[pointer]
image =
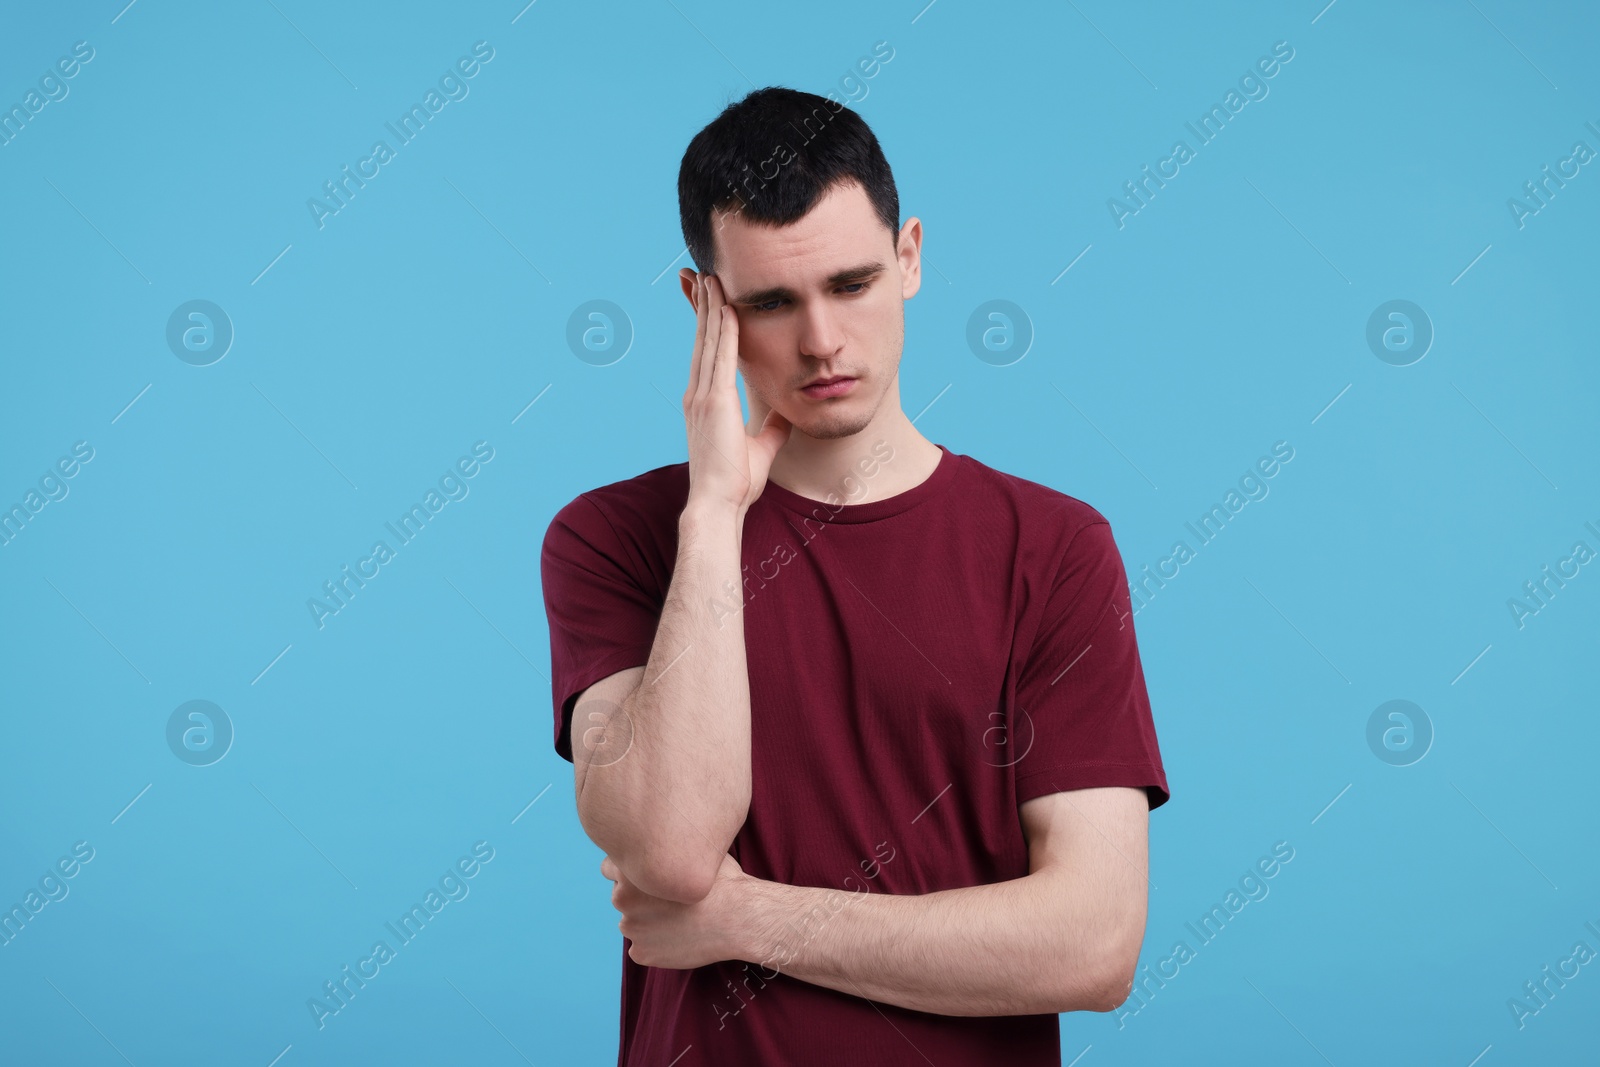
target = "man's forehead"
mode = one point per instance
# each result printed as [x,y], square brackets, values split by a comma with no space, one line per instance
[837,241]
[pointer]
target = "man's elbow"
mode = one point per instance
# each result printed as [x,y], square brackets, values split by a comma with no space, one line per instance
[1111,993]
[1108,985]
[680,878]
[666,872]
[1103,992]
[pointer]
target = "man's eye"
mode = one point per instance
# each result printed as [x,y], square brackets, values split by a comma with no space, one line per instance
[853,289]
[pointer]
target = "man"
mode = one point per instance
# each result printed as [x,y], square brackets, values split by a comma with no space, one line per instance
[859,721]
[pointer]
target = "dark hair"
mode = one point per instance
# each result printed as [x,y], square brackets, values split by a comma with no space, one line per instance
[814,142]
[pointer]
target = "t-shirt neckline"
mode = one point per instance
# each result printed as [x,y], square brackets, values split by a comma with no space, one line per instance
[872,510]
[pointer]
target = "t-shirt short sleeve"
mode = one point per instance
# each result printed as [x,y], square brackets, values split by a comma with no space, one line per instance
[1082,685]
[602,617]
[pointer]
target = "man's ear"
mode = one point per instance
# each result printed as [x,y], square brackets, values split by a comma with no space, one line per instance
[687,278]
[908,251]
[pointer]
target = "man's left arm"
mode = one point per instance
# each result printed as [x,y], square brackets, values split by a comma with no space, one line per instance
[1064,937]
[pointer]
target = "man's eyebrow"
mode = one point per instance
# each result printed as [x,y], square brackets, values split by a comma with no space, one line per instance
[848,276]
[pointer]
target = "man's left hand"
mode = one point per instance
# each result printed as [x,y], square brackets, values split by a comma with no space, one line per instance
[666,933]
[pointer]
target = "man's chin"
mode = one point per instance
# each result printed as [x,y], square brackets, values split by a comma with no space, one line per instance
[832,426]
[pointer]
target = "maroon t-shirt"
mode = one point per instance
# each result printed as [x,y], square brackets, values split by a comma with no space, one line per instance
[919,666]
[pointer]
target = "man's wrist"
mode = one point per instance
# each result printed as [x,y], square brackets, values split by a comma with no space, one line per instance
[698,516]
[777,924]
[750,933]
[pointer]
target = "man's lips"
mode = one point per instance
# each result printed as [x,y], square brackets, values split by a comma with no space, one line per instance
[827,387]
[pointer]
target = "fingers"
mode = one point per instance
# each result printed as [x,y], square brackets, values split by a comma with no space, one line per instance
[699,313]
[699,336]
[727,357]
[713,336]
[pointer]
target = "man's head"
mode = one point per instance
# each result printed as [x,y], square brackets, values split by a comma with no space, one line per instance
[787,199]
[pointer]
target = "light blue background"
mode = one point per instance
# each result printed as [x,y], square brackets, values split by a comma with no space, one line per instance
[1225,316]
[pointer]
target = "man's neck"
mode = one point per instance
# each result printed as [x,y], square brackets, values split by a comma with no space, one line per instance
[853,468]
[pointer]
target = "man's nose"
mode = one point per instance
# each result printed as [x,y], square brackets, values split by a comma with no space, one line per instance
[821,336]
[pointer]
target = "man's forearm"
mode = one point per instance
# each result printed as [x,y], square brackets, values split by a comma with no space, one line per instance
[1027,946]
[669,805]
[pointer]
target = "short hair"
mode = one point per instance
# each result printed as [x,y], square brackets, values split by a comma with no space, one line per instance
[815,143]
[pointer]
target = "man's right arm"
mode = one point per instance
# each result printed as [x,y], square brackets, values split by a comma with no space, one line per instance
[661,753]
[666,790]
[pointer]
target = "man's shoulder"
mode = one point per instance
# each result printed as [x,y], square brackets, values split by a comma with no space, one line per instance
[651,499]
[1035,507]
[664,488]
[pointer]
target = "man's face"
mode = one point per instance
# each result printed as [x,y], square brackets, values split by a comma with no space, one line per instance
[823,297]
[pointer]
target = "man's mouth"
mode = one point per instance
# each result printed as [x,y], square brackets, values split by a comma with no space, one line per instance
[823,388]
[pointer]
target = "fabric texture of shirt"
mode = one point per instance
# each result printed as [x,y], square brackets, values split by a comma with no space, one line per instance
[919,666]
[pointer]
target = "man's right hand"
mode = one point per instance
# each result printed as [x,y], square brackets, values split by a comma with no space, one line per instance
[727,465]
